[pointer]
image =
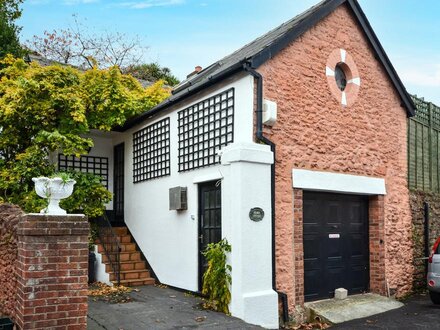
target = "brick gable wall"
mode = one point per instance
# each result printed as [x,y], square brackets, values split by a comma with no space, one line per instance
[314,131]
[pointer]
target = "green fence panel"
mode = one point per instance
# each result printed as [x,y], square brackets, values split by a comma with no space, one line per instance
[424,147]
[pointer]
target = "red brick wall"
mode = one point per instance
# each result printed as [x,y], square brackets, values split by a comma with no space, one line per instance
[52,272]
[377,245]
[313,131]
[9,216]
[298,250]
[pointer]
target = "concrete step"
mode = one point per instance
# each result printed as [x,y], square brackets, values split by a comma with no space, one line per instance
[353,307]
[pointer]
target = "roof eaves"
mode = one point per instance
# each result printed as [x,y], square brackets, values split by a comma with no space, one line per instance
[183,94]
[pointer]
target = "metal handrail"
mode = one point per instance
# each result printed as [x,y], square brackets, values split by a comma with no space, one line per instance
[110,243]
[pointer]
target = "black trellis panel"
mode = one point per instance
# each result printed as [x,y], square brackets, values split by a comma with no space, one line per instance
[88,164]
[204,128]
[151,151]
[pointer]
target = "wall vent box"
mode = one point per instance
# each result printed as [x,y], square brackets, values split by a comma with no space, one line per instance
[269,112]
[178,198]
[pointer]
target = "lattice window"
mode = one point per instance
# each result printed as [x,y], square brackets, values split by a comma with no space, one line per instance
[204,128]
[151,151]
[88,164]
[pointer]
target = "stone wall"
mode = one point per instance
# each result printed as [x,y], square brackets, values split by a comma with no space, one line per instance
[9,217]
[417,198]
[314,131]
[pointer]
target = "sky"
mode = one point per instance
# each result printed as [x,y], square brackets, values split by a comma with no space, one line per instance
[181,34]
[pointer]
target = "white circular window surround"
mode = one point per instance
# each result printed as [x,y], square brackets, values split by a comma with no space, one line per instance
[342,76]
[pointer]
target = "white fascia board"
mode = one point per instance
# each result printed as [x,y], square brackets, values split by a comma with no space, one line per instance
[336,182]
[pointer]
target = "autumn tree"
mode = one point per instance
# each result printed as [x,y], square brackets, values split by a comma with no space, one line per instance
[75,45]
[46,110]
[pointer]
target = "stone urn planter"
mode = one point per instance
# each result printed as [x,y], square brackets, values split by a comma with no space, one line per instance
[54,190]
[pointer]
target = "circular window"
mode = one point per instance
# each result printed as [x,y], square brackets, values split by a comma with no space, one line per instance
[340,77]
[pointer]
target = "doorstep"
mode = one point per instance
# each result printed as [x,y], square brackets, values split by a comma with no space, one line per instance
[353,307]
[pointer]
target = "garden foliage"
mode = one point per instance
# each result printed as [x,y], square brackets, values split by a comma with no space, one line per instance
[50,110]
[217,277]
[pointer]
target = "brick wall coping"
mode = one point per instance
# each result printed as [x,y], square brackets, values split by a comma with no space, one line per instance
[52,225]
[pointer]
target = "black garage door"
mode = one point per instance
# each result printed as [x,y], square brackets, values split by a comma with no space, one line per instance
[335,244]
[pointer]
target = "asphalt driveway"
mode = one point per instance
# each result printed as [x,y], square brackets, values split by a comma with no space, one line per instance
[418,313]
[158,308]
[164,308]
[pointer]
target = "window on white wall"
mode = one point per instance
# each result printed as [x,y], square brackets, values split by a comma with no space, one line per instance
[204,128]
[88,164]
[151,151]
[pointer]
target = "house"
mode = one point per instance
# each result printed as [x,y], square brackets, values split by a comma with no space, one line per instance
[294,148]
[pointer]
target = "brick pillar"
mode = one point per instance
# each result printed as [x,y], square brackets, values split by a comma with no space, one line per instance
[377,245]
[298,246]
[52,266]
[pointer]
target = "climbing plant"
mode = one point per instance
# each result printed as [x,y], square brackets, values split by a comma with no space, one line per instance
[51,109]
[217,277]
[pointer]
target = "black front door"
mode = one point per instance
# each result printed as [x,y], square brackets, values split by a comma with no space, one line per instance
[210,221]
[118,185]
[336,253]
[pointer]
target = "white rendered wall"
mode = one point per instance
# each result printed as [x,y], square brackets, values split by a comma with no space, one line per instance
[100,274]
[103,147]
[169,239]
[247,185]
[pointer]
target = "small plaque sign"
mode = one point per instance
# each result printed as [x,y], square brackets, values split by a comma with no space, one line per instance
[333,235]
[256,214]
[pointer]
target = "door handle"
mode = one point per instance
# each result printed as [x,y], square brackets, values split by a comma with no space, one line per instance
[201,238]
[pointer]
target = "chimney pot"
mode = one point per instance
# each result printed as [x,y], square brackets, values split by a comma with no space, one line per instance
[197,69]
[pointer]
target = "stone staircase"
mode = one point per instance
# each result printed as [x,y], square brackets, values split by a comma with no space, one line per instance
[134,270]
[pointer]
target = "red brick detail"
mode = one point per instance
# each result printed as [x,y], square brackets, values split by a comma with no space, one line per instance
[377,244]
[52,272]
[298,246]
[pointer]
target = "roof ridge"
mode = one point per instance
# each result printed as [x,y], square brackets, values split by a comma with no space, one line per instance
[265,47]
[295,18]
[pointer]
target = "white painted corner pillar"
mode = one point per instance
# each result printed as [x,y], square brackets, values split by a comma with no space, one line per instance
[246,185]
[100,274]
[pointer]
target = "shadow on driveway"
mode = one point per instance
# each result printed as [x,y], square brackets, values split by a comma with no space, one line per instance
[158,308]
[418,313]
